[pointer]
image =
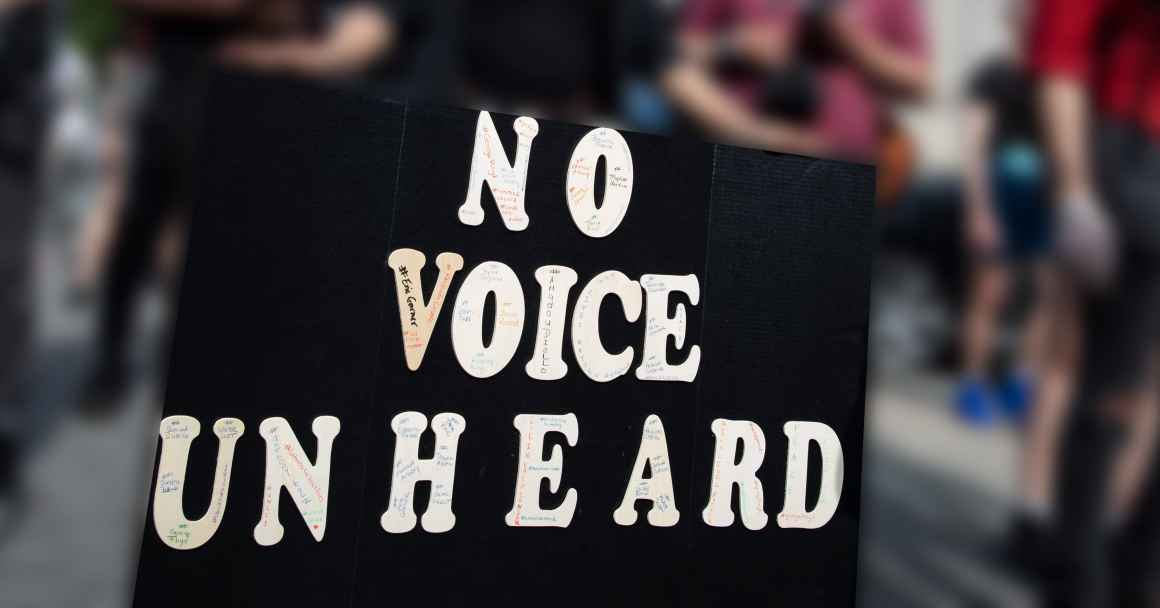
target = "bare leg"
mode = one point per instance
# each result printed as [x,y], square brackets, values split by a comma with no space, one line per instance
[1057,317]
[99,229]
[1133,461]
[988,294]
[1117,385]
[1039,337]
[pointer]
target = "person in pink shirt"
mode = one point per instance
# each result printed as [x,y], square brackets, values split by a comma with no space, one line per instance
[856,56]
[726,54]
[877,53]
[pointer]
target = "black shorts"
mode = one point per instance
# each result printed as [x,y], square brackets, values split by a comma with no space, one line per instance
[1125,324]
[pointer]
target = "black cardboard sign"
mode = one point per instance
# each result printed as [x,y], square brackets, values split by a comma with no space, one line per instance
[289,311]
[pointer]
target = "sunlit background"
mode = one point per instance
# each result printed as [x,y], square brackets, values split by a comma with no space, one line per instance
[991,235]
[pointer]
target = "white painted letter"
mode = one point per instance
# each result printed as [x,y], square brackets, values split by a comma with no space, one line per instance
[547,362]
[287,467]
[596,362]
[177,434]
[467,323]
[489,164]
[581,182]
[418,317]
[409,469]
[719,512]
[526,511]
[658,488]
[794,514]
[658,328]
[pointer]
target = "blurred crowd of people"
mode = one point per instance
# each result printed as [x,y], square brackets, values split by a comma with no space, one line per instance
[1062,182]
[1058,189]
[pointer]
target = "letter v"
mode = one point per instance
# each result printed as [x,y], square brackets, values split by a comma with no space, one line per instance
[416,315]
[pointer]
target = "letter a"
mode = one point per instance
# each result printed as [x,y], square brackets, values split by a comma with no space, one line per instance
[658,488]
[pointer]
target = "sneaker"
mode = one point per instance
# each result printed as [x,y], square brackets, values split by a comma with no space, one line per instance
[973,402]
[1016,396]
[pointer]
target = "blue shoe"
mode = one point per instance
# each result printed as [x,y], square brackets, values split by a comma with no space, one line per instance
[973,403]
[1016,396]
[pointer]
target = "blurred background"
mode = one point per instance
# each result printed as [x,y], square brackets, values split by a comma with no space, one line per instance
[1012,409]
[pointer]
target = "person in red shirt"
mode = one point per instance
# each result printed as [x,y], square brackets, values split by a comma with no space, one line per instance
[1098,64]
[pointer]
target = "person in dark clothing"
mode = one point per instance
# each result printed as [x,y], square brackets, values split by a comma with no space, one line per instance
[340,41]
[23,59]
[23,62]
[550,56]
[188,39]
[1007,231]
[644,46]
[1104,55]
[180,37]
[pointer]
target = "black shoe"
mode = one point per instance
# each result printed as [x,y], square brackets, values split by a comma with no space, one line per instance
[104,392]
[1135,580]
[1029,547]
[11,497]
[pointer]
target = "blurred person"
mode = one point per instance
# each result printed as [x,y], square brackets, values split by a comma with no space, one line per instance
[23,60]
[869,55]
[645,45]
[177,36]
[735,74]
[24,51]
[276,39]
[1007,230]
[124,75]
[332,40]
[814,77]
[1100,99]
[552,58]
[187,38]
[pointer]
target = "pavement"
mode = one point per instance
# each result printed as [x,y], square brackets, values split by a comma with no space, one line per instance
[937,500]
[80,516]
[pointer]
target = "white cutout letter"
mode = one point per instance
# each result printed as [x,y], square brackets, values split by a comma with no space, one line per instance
[287,467]
[467,323]
[794,514]
[526,511]
[658,328]
[654,449]
[719,512]
[409,469]
[547,362]
[177,434]
[418,317]
[581,182]
[596,362]
[507,182]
